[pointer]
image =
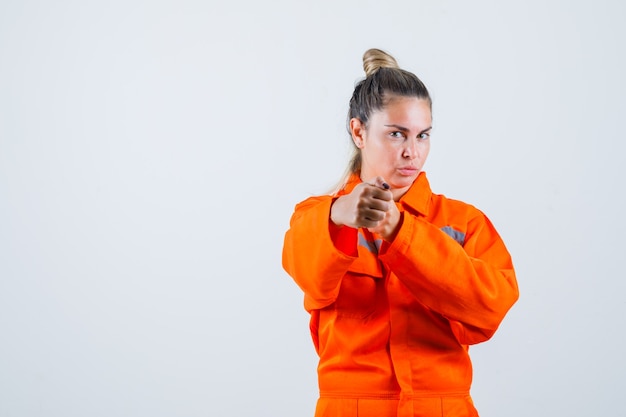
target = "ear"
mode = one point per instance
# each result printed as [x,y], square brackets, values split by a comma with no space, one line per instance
[357,129]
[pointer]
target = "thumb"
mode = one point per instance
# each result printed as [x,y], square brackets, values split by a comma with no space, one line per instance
[381,183]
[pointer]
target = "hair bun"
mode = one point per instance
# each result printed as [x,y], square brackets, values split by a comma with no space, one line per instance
[374,59]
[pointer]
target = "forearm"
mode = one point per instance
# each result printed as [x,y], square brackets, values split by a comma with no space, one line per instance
[476,289]
[316,253]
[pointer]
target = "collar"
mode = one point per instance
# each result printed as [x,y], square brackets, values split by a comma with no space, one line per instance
[417,197]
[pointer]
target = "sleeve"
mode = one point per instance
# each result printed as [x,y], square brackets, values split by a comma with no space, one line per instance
[473,285]
[317,253]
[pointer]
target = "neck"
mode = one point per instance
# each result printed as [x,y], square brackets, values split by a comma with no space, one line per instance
[399,192]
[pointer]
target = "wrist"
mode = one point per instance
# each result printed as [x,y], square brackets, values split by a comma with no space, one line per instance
[393,230]
[333,215]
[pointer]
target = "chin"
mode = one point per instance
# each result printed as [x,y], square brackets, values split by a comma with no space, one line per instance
[405,181]
[400,184]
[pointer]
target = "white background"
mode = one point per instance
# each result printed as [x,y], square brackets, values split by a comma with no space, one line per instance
[151,154]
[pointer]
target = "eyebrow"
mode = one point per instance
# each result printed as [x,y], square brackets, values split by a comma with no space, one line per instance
[404,129]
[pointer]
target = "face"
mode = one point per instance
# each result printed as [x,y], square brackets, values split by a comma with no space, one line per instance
[395,143]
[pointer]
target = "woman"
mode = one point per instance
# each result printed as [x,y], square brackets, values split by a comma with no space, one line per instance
[398,281]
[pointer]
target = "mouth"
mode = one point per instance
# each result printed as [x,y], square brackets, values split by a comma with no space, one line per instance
[408,170]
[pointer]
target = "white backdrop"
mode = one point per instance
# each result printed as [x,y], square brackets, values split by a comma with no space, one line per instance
[151,154]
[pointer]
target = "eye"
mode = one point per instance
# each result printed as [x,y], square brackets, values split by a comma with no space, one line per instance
[397,135]
[424,136]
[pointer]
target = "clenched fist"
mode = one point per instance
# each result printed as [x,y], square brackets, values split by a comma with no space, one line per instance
[369,205]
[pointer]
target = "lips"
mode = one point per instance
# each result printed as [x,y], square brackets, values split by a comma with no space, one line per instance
[407,170]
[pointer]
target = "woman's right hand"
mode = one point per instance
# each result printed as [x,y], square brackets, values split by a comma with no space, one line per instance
[366,206]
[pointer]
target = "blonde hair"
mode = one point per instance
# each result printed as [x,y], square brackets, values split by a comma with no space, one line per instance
[383,78]
[374,59]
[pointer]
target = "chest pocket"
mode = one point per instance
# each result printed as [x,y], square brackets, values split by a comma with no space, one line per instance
[363,286]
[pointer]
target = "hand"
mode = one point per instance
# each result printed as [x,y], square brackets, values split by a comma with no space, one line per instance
[388,227]
[369,205]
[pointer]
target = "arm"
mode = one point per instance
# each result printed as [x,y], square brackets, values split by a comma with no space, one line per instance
[321,242]
[472,285]
[317,253]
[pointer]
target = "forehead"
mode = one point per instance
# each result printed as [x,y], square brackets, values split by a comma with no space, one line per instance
[410,112]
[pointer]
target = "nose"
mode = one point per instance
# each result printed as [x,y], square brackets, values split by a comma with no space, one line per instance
[410,149]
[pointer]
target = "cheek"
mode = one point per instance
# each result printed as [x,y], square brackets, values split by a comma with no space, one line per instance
[382,151]
[392,154]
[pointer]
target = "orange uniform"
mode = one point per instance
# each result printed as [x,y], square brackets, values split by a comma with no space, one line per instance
[392,321]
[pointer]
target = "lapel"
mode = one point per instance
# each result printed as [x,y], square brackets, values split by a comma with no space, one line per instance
[416,200]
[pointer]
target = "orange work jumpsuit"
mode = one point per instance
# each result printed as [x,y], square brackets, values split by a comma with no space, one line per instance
[392,321]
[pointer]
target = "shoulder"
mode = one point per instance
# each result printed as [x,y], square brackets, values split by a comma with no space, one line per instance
[459,219]
[440,202]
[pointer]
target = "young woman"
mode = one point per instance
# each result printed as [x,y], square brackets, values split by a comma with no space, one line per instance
[398,281]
